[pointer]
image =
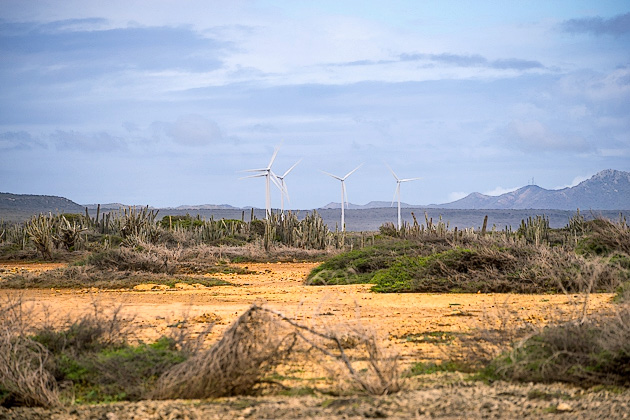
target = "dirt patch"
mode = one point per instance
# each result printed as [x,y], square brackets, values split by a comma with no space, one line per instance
[418,326]
[457,400]
[23,267]
[403,319]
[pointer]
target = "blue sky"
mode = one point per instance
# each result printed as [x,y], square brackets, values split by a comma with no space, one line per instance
[164,102]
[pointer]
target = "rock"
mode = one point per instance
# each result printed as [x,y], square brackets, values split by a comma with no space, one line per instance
[564,407]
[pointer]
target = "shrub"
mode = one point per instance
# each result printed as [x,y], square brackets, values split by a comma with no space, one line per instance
[514,268]
[90,277]
[605,238]
[152,259]
[259,340]
[595,351]
[359,265]
[118,373]
[24,378]
[235,365]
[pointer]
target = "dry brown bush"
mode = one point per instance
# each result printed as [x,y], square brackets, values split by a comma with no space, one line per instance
[23,374]
[260,340]
[614,236]
[147,258]
[248,350]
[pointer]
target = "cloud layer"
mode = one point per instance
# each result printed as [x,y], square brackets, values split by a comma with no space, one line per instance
[179,97]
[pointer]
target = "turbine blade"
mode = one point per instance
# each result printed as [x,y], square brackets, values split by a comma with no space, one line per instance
[255,170]
[345,193]
[286,191]
[409,179]
[395,194]
[392,171]
[334,176]
[274,179]
[352,171]
[291,168]
[253,176]
[275,152]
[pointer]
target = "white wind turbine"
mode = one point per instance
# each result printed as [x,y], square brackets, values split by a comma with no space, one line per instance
[269,177]
[397,193]
[344,196]
[283,188]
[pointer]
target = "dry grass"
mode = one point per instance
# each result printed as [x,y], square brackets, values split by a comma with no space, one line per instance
[24,379]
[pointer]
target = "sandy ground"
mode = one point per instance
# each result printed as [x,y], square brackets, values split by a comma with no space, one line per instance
[411,323]
[415,325]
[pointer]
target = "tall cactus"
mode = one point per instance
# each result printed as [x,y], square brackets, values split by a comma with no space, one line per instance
[40,230]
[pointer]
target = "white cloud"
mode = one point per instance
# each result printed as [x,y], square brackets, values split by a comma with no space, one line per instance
[573,183]
[500,191]
[533,136]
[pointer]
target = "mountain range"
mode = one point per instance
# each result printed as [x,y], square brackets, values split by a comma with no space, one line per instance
[606,190]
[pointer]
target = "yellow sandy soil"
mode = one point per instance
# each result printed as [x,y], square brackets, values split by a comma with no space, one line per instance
[398,317]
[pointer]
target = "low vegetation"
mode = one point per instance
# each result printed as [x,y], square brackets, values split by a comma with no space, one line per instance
[585,352]
[535,259]
[94,359]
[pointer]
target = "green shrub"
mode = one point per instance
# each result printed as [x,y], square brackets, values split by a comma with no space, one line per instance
[359,265]
[125,373]
[185,222]
[442,272]
[423,368]
[593,352]
[516,268]
[93,355]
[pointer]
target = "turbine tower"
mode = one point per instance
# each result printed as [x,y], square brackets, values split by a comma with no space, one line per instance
[397,193]
[344,196]
[269,177]
[283,188]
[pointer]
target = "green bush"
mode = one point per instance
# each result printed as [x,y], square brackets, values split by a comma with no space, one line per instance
[359,265]
[125,373]
[593,352]
[185,222]
[93,355]
[453,270]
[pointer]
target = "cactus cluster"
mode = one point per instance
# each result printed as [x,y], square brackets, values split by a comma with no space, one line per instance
[48,232]
[288,229]
[534,230]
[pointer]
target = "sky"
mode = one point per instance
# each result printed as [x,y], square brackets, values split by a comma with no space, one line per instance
[164,103]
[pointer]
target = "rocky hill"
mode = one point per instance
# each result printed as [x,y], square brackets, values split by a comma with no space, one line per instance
[38,203]
[606,190]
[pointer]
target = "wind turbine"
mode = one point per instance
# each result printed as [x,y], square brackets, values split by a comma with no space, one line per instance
[397,193]
[344,196]
[269,177]
[283,188]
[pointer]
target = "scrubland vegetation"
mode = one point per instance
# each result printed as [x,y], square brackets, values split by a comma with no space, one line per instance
[95,359]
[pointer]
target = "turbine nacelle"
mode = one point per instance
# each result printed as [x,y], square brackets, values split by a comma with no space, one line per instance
[279,182]
[269,177]
[397,193]
[344,195]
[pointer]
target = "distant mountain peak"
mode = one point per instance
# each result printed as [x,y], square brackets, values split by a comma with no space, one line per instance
[611,175]
[607,190]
